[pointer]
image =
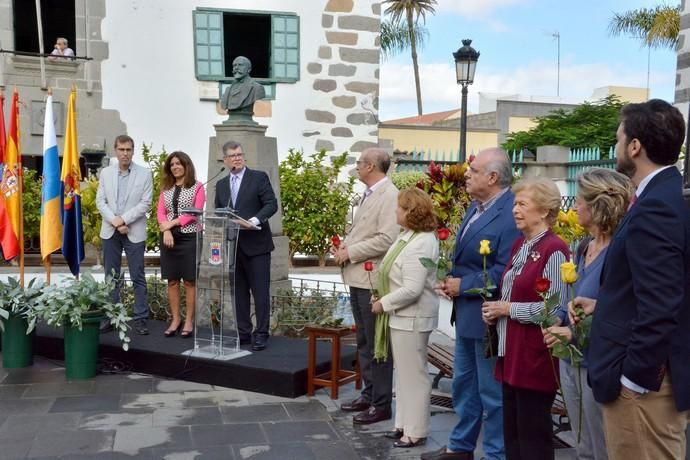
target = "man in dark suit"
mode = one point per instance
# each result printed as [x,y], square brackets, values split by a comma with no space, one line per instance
[250,194]
[639,354]
[477,395]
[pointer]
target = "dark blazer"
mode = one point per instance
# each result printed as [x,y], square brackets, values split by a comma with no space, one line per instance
[498,226]
[255,198]
[641,325]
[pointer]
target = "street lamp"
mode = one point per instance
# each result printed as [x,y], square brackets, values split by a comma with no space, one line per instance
[465,64]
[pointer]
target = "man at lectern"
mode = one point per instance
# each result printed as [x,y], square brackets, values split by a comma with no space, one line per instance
[250,194]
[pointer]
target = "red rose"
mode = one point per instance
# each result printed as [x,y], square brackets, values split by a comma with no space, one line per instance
[471,158]
[443,234]
[542,285]
[369,265]
[335,240]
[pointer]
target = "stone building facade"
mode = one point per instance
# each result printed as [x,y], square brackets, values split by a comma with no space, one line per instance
[156,73]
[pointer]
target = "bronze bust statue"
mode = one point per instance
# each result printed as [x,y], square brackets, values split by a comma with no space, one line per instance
[238,98]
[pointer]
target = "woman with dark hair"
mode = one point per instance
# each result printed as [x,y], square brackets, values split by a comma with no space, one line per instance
[179,190]
[407,295]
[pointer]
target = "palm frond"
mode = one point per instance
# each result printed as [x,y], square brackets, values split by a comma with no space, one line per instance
[395,38]
[397,9]
[656,27]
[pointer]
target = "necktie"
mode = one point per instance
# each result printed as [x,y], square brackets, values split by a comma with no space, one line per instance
[367,192]
[633,199]
[234,187]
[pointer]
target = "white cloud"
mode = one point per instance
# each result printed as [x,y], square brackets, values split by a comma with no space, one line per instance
[474,9]
[441,92]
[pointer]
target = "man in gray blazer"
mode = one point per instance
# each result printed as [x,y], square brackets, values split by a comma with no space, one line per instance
[374,229]
[123,199]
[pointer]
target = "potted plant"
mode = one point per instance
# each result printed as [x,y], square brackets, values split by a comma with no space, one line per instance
[18,321]
[79,305]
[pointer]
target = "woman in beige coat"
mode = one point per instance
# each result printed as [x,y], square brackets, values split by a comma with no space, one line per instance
[412,304]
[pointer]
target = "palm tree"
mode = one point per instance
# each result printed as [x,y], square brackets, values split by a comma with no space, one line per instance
[657,27]
[411,11]
[395,38]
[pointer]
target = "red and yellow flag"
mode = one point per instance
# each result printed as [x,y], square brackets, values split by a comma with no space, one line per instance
[10,186]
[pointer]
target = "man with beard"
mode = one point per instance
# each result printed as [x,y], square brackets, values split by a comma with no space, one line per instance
[244,91]
[639,353]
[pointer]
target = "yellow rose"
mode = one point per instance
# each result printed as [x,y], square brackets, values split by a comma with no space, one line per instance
[484,247]
[568,272]
[562,217]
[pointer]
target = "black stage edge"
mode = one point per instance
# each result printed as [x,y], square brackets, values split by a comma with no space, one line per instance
[280,369]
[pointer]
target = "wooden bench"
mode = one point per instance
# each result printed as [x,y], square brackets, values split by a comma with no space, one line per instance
[441,357]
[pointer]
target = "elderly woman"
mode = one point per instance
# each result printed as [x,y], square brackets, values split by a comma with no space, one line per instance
[525,366]
[179,190]
[408,296]
[602,201]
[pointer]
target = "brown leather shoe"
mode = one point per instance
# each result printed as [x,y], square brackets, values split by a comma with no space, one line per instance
[358,405]
[441,454]
[373,415]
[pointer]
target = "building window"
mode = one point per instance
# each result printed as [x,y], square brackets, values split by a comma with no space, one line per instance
[269,41]
[58,20]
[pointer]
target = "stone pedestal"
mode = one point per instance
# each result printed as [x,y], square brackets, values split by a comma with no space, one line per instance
[261,153]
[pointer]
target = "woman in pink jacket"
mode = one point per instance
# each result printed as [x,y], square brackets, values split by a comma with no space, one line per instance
[179,190]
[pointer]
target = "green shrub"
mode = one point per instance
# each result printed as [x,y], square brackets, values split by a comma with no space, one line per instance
[407,179]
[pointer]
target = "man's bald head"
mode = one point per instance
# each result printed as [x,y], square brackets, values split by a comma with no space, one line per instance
[378,157]
[496,160]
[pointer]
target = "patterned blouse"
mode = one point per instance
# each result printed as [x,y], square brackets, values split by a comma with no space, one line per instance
[175,198]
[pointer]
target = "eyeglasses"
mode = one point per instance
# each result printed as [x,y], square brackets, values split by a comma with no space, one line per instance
[235,155]
[359,162]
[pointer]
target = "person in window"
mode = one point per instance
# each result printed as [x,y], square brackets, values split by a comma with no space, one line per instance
[602,201]
[525,366]
[62,49]
[407,289]
[179,190]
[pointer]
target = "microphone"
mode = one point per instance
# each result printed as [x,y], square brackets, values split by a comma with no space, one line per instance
[216,175]
[197,211]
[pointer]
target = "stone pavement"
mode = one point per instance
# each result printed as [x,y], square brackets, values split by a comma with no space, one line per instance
[136,416]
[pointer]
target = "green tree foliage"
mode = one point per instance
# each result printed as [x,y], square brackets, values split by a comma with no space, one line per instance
[592,124]
[91,218]
[406,179]
[408,12]
[657,27]
[315,204]
[395,38]
[31,203]
[155,162]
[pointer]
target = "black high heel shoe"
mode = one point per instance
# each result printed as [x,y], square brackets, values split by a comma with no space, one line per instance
[409,443]
[395,434]
[171,332]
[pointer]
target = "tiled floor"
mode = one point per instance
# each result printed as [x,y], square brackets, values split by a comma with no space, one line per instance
[134,416]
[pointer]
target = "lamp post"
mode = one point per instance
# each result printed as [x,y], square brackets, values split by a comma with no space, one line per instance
[465,64]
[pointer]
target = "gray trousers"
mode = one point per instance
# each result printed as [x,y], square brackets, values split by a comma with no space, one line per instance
[377,376]
[112,261]
[592,444]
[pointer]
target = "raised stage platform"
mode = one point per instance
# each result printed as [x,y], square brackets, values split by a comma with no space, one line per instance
[280,369]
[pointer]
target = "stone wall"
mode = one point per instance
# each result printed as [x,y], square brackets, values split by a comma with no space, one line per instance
[96,127]
[345,77]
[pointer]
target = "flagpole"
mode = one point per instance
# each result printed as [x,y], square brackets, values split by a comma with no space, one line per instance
[20,172]
[47,263]
[39,22]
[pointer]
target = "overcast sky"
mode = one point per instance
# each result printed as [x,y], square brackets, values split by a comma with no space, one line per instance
[519,54]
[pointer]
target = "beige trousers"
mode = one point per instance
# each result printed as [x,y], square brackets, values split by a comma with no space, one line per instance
[412,383]
[645,427]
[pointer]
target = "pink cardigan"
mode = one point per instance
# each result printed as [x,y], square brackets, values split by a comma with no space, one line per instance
[199,201]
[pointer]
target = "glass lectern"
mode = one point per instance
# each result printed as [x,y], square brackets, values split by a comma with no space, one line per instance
[215,327]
